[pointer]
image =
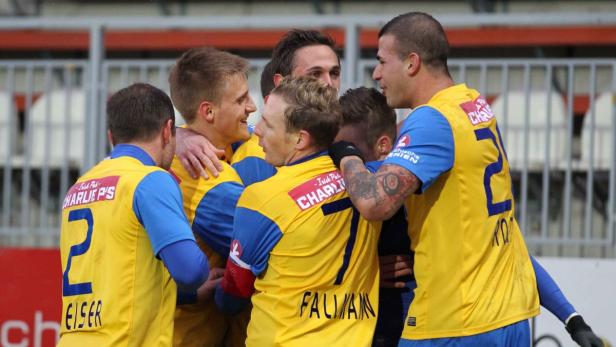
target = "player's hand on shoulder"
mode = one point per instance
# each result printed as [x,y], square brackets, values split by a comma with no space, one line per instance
[582,333]
[197,154]
[207,289]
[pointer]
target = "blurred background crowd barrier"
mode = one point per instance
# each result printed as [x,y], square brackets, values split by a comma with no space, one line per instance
[556,117]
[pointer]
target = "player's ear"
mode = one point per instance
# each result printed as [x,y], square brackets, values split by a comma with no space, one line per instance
[277,78]
[304,140]
[413,62]
[383,146]
[110,138]
[168,132]
[206,111]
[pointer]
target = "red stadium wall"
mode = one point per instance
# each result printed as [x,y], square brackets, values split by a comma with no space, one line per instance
[30,297]
[144,40]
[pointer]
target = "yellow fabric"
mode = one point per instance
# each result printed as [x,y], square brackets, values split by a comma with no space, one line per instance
[133,296]
[202,324]
[296,302]
[485,279]
[250,148]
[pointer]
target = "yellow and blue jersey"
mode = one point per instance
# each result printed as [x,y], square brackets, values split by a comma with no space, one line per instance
[210,207]
[309,258]
[249,162]
[472,267]
[115,220]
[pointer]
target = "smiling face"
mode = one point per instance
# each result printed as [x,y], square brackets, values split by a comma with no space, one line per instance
[318,61]
[271,129]
[391,73]
[232,110]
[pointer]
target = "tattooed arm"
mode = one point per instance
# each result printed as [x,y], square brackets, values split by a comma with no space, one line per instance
[424,151]
[377,196]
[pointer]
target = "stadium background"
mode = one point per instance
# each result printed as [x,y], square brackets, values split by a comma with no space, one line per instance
[547,67]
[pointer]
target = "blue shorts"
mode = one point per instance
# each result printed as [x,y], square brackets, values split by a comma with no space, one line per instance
[514,335]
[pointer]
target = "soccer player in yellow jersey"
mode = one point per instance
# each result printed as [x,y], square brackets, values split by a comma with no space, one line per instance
[370,124]
[298,53]
[210,89]
[475,281]
[125,241]
[298,244]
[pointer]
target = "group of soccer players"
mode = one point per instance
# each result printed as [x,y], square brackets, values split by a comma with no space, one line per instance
[322,226]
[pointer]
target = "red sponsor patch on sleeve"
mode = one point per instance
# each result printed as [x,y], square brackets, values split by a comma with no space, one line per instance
[239,280]
[87,192]
[478,111]
[318,189]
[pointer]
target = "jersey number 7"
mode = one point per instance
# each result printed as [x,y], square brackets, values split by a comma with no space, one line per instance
[338,206]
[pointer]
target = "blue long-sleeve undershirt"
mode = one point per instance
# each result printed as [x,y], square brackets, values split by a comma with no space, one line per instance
[550,295]
[186,263]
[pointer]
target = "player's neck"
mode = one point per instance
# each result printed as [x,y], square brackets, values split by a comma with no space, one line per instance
[152,149]
[300,154]
[211,135]
[429,85]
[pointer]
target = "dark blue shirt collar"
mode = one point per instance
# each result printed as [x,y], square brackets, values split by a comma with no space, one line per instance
[126,150]
[308,157]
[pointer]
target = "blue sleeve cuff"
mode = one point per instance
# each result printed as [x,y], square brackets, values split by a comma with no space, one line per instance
[157,203]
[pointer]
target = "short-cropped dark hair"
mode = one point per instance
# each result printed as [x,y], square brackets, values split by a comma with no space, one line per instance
[420,33]
[313,107]
[267,79]
[283,56]
[367,108]
[138,113]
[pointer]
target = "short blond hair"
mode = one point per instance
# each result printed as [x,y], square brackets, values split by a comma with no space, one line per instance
[313,107]
[200,74]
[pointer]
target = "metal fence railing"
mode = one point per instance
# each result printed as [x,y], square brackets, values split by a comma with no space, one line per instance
[557,118]
[561,153]
[42,118]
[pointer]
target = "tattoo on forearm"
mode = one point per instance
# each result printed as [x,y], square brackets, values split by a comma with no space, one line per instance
[391,184]
[387,189]
[397,184]
[360,183]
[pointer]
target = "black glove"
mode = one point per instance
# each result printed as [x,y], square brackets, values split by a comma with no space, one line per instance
[582,333]
[343,149]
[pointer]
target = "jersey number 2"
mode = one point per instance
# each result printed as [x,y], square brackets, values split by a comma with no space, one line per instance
[492,169]
[69,289]
[338,206]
